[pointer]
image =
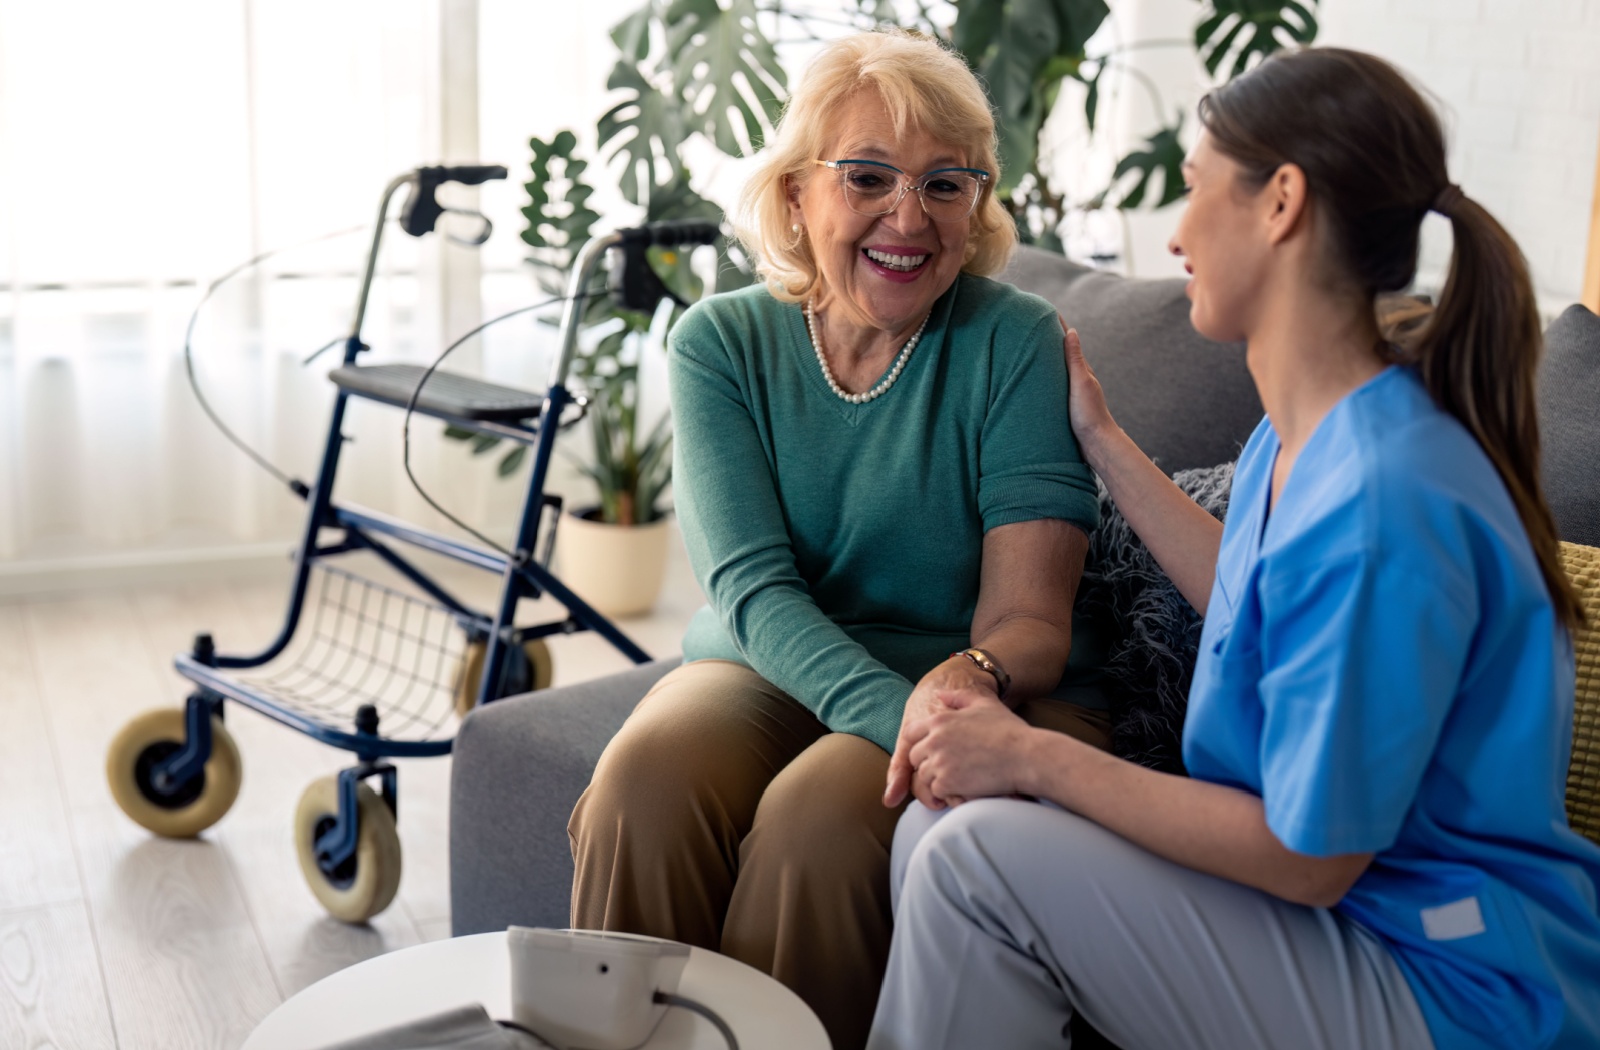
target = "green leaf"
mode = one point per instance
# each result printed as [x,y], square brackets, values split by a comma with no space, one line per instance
[558,213]
[632,34]
[1022,49]
[719,54]
[455,433]
[482,443]
[1091,101]
[512,460]
[644,128]
[1163,153]
[1249,30]
[977,22]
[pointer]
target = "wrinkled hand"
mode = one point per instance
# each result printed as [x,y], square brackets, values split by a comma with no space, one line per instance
[954,685]
[976,752]
[1086,401]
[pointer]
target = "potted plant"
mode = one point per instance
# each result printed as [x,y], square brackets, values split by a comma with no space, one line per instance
[613,553]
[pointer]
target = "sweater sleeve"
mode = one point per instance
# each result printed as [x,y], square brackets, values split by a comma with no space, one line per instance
[1030,464]
[733,526]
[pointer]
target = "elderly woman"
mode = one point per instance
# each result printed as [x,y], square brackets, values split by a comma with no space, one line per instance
[886,508]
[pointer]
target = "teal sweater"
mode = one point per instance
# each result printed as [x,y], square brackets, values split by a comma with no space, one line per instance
[840,545]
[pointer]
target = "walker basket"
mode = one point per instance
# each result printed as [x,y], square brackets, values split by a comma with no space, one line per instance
[370,644]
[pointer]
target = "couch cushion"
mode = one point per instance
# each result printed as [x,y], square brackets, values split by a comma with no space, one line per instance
[1583,775]
[1187,401]
[519,766]
[1569,424]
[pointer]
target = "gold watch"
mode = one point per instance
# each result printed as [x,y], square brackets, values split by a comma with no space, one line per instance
[984,659]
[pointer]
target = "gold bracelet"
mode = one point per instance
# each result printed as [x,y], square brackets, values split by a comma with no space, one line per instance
[985,659]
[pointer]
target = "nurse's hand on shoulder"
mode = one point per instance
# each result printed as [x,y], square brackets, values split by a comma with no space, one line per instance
[956,684]
[1086,401]
[976,752]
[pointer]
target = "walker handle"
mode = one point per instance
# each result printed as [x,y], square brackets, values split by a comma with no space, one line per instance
[422,210]
[672,232]
[469,174]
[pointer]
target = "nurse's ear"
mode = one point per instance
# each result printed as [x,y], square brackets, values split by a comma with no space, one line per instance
[1284,203]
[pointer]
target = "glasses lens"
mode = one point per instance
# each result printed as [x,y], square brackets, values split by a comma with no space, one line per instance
[949,195]
[869,190]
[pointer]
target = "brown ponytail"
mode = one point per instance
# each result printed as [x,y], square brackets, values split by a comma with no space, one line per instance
[1373,155]
[1478,354]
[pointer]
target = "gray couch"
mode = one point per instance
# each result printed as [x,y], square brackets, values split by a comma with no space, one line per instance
[521,763]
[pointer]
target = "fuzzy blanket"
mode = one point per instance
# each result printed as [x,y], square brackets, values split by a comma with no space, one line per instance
[1154,633]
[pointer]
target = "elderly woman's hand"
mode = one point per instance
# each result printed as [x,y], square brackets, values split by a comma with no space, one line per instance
[976,752]
[954,685]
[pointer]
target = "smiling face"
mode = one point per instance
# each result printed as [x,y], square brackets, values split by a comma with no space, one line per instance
[1226,240]
[880,272]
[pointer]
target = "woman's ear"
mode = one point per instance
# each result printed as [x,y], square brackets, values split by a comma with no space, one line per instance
[1285,202]
[791,190]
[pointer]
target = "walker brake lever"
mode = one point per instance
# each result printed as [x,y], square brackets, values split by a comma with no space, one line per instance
[480,237]
[582,403]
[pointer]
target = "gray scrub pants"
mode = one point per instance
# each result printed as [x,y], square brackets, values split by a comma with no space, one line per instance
[1011,915]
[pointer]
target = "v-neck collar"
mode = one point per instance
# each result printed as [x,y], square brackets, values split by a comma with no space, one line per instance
[1266,510]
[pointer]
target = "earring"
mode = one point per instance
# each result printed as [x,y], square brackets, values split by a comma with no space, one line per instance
[799,235]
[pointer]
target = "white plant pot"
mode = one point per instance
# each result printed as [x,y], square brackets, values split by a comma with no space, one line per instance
[615,568]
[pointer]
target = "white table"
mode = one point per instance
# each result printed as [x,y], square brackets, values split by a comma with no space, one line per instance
[416,982]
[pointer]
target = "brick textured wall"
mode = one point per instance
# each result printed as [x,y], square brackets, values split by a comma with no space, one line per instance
[1519,84]
[1517,81]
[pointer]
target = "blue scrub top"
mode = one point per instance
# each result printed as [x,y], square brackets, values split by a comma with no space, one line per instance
[1382,666]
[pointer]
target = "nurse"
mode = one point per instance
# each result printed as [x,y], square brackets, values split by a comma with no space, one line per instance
[1372,849]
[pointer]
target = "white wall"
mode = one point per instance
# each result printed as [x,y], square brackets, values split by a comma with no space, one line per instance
[1518,82]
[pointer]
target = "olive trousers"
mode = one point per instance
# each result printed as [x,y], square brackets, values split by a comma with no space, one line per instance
[726,816]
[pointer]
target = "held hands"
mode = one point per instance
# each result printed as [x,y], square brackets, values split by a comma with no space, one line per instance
[975,752]
[955,685]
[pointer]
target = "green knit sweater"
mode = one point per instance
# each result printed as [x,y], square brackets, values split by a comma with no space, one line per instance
[840,545]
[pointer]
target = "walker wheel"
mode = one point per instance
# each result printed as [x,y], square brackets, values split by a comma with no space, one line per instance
[540,671]
[366,883]
[178,811]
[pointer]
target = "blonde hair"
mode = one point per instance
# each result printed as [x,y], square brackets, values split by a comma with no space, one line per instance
[922,85]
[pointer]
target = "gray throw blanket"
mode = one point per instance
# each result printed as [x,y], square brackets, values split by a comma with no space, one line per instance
[1154,634]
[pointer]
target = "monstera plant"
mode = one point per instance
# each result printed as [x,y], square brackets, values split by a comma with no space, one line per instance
[711,70]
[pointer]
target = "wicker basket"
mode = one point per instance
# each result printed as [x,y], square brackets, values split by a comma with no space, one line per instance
[1583,778]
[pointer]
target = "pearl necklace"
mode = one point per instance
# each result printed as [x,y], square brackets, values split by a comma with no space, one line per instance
[888,380]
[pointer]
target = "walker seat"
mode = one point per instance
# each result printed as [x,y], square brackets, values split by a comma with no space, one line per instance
[446,395]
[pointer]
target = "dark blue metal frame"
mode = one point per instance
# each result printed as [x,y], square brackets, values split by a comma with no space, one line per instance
[522,576]
[338,844]
[187,762]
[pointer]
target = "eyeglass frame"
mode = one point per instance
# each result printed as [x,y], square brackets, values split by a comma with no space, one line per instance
[907,184]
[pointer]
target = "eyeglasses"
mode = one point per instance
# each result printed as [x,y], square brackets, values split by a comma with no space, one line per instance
[873,188]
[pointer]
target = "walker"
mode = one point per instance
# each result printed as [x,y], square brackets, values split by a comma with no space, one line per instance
[378,672]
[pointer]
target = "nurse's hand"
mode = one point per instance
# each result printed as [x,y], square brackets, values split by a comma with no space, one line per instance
[1086,401]
[956,684]
[977,752]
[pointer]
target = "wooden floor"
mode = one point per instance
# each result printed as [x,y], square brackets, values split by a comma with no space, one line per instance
[111,937]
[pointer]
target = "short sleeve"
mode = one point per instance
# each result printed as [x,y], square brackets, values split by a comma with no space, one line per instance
[1029,463]
[1361,657]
